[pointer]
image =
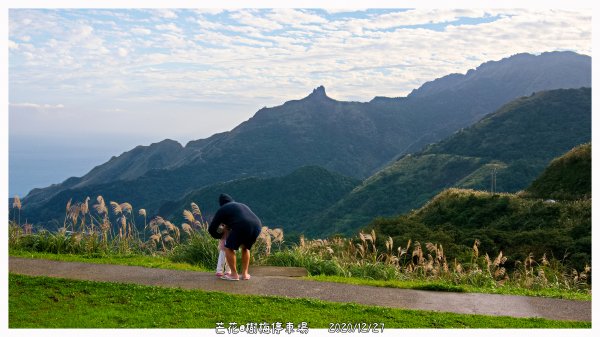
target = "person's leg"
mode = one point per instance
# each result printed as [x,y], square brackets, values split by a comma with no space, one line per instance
[230,254]
[231,245]
[249,241]
[245,261]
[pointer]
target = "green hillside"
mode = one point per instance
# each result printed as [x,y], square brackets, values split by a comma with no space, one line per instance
[412,180]
[503,222]
[525,134]
[567,178]
[518,141]
[516,224]
[285,202]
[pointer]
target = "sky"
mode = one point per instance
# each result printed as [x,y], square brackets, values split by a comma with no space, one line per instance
[86,84]
[186,74]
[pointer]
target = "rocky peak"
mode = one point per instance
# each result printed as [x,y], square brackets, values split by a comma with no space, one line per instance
[318,93]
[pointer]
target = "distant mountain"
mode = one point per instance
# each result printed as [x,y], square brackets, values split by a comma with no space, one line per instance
[492,85]
[517,141]
[516,71]
[135,163]
[283,202]
[128,166]
[568,177]
[351,138]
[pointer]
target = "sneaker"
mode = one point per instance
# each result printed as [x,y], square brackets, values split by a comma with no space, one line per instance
[219,274]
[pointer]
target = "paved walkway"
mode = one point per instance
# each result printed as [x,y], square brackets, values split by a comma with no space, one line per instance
[464,303]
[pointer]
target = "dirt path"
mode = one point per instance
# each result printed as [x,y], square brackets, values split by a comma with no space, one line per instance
[464,303]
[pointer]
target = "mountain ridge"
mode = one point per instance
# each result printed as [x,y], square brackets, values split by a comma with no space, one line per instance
[484,70]
[351,138]
[512,141]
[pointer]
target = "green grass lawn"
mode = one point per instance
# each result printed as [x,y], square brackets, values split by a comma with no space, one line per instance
[441,286]
[126,260]
[42,302]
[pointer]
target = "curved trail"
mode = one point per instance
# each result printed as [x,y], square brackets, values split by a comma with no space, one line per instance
[463,303]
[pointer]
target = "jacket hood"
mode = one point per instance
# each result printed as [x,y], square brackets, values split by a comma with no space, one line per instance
[224,199]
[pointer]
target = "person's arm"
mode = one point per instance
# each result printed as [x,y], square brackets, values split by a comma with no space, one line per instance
[214,225]
[225,233]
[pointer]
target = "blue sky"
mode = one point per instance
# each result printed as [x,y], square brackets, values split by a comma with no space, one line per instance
[143,75]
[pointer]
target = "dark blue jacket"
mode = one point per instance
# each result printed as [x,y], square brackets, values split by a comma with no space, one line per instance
[235,215]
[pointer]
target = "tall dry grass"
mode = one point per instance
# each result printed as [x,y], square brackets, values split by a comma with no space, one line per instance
[17,204]
[362,256]
[100,230]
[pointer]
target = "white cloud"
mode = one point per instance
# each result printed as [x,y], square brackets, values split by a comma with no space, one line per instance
[212,11]
[82,32]
[246,17]
[252,42]
[212,38]
[166,13]
[27,46]
[36,106]
[170,27]
[207,24]
[411,17]
[251,31]
[173,41]
[114,110]
[262,57]
[288,16]
[52,43]
[141,31]
[94,46]
[343,10]
[422,16]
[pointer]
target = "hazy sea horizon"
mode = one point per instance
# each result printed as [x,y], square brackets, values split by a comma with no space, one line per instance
[37,162]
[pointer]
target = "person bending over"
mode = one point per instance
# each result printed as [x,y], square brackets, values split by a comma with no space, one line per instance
[244,228]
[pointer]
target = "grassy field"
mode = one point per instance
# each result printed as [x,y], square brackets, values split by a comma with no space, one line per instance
[41,302]
[126,260]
